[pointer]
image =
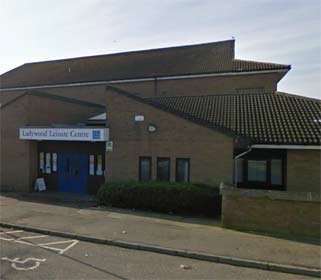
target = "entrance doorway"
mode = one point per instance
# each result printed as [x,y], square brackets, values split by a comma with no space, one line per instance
[73,173]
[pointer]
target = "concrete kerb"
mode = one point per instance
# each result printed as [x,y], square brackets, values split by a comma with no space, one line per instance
[306,271]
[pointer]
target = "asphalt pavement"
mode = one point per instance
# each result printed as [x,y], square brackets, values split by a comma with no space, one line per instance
[157,230]
[27,255]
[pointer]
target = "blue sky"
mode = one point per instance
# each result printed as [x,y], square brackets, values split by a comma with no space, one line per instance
[280,31]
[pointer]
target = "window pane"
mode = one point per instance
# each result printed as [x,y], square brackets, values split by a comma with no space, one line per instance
[182,170]
[276,172]
[257,170]
[239,170]
[163,169]
[145,169]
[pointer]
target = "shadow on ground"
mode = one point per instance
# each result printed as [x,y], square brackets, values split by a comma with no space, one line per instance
[90,202]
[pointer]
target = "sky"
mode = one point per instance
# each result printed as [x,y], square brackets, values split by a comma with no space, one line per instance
[279,31]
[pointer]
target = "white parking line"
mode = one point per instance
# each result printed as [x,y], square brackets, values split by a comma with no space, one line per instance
[31,237]
[13,231]
[6,239]
[60,251]
[20,240]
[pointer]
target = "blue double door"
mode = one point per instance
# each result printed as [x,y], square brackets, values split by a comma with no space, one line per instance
[73,173]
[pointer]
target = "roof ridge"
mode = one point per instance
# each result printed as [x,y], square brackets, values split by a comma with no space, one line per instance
[265,62]
[64,99]
[13,100]
[52,96]
[134,52]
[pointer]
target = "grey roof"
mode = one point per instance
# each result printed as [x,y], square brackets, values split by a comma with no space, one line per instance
[274,118]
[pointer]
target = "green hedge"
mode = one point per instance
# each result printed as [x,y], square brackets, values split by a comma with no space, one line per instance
[195,199]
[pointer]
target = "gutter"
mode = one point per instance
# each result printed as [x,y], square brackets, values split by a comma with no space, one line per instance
[287,147]
[146,79]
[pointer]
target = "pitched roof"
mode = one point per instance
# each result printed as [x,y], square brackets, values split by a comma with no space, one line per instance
[276,118]
[217,57]
[54,97]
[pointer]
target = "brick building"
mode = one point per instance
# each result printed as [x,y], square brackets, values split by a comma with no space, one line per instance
[190,113]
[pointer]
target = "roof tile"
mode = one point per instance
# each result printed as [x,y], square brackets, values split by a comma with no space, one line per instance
[276,118]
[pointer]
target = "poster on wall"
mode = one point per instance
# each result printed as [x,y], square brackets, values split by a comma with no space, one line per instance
[48,163]
[40,185]
[99,165]
[54,162]
[42,162]
[91,165]
[109,146]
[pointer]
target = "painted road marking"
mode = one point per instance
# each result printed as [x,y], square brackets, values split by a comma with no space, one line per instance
[8,232]
[47,245]
[12,231]
[16,261]
[60,251]
[6,239]
[31,237]
[19,240]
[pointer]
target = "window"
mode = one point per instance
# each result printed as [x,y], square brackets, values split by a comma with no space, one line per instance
[256,170]
[182,170]
[276,172]
[239,170]
[261,169]
[145,168]
[163,169]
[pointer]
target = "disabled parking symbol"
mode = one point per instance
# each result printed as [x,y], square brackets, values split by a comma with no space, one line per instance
[27,264]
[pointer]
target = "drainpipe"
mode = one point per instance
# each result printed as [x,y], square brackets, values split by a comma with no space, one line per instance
[235,165]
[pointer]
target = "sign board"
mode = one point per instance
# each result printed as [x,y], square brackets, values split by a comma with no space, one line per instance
[64,134]
[139,118]
[40,185]
[109,146]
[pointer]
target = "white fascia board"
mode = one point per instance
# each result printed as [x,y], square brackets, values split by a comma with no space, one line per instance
[147,79]
[288,147]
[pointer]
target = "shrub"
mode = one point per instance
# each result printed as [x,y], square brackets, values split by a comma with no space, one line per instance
[178,198]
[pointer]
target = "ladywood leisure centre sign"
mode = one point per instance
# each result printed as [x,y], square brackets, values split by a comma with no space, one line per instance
[64,134]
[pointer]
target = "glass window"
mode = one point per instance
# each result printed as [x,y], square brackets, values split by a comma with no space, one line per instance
[256,170]
[163,169]
[239,170]
[276,172]
[182,170]
[145,168]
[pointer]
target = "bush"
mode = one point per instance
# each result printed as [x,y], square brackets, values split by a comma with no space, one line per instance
[178,198]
